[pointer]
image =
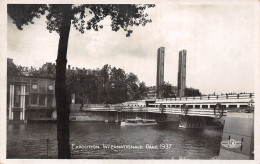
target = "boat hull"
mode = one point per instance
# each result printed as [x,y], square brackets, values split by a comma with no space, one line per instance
[136,124]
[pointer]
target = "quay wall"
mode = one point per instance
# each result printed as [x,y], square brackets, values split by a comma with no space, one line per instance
[239,127]
[113,116]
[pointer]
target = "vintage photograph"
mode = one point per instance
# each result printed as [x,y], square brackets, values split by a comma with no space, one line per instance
[167,80]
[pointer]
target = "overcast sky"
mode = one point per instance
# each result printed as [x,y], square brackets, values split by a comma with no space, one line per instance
[220,40]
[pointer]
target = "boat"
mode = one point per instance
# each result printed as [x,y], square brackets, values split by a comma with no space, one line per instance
[138,121]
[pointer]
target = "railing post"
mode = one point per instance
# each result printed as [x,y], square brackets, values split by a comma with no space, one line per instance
[227,96]
[186,98]
[217,96]
[200,97]
[238,96]
[208,97]
[175,98]
[250,95]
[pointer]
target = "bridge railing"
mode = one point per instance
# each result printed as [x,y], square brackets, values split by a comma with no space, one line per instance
[209,112]
[211,97]
[191,111]
[98,105]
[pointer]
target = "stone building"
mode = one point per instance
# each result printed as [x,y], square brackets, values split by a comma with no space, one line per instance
[30,99]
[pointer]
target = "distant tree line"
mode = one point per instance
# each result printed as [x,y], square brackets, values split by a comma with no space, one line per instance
[47,70]
[170,91]
[109,85]
[189,92]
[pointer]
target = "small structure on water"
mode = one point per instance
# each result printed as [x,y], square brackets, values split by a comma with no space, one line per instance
[138,121]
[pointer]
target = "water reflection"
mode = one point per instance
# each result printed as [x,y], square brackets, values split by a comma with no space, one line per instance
[163,141]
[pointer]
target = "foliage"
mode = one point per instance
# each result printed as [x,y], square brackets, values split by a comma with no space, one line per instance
[142,90]
[23,14]
[169,91]
[47,70]
[105,86]
[12,69]
[84,17]
[59,19]
[101,86]
[192,92]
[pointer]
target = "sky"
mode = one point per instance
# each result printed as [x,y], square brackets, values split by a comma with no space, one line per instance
[219,36]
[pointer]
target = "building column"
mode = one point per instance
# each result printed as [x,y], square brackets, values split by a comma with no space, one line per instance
[23,102]
[11,102]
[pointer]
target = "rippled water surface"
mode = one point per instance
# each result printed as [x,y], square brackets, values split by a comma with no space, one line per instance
[87,139]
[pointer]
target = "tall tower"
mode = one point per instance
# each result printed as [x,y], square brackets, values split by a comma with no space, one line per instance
[182,73]
[160,72]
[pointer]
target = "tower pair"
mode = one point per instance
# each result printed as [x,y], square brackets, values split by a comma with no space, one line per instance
[160,73]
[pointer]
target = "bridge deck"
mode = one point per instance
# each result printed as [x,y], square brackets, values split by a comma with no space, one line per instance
[209,112]
[191,106]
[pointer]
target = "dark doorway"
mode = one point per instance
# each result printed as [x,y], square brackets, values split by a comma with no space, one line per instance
[16,115]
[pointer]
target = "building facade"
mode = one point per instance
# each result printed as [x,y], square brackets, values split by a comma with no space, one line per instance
[160,72]
[30,98]
[182,73]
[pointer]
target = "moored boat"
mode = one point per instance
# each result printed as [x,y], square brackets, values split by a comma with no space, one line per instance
[138,121]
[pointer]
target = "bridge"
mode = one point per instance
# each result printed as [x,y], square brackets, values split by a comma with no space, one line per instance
[205,106]
[193,112]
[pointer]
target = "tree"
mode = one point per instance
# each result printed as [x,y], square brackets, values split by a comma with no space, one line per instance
[132,86]
[142,90]
[192,92]
[168,90]
[104,86]
[12,68]
[118,87]
[59,19]
[104,72]
[48,70]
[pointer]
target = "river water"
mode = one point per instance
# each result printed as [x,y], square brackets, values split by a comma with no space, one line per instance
[98,140]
